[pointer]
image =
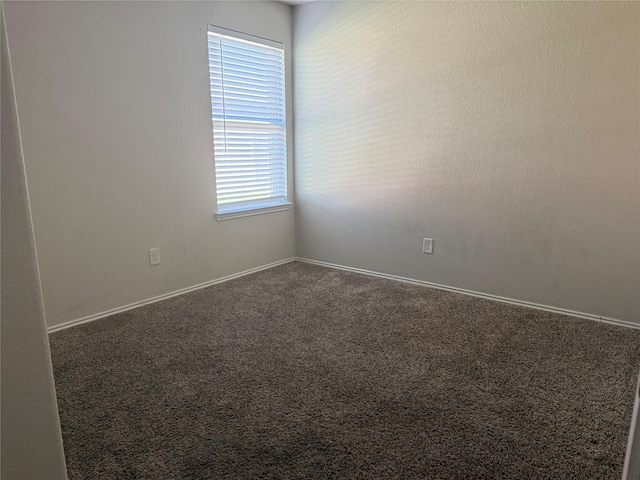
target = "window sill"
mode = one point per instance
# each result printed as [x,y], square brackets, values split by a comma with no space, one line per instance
[255,211]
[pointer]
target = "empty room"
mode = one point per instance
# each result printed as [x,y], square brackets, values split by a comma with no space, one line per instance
[320,239]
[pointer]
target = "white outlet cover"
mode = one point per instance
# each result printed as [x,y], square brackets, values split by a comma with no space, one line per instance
[154,256]
[427,245]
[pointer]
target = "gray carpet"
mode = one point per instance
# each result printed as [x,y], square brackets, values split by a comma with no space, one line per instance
[302,371]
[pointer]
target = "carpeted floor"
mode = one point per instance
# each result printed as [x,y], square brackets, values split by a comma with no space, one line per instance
[302,371]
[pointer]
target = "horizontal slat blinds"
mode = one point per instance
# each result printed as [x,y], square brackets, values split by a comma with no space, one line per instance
[249,125]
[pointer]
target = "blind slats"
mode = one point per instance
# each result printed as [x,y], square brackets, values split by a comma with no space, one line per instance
[264,66]
[251,55]
[245,187]
[249,124]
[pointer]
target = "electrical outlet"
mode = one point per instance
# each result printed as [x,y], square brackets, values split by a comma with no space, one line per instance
[427,245]
[154,256]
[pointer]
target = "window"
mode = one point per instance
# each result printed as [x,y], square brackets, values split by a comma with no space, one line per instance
[249,123]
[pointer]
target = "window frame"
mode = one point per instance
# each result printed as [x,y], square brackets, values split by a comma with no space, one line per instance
[246,208]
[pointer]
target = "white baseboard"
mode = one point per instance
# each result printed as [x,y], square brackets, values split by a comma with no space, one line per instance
[537,306]
[91,318]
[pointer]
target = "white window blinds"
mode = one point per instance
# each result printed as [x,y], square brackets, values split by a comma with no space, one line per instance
[249,125]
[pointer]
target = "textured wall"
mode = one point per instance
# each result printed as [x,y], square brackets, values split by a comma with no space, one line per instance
[507,131]
[31,438]
[114,104]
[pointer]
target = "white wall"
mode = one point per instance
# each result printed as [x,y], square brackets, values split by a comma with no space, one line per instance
[116,124]
[507,131]
[31,438]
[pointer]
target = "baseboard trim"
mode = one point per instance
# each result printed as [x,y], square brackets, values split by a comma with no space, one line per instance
[131,306]
[522,303]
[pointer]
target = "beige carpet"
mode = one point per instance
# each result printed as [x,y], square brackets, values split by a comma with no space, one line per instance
[302,371]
